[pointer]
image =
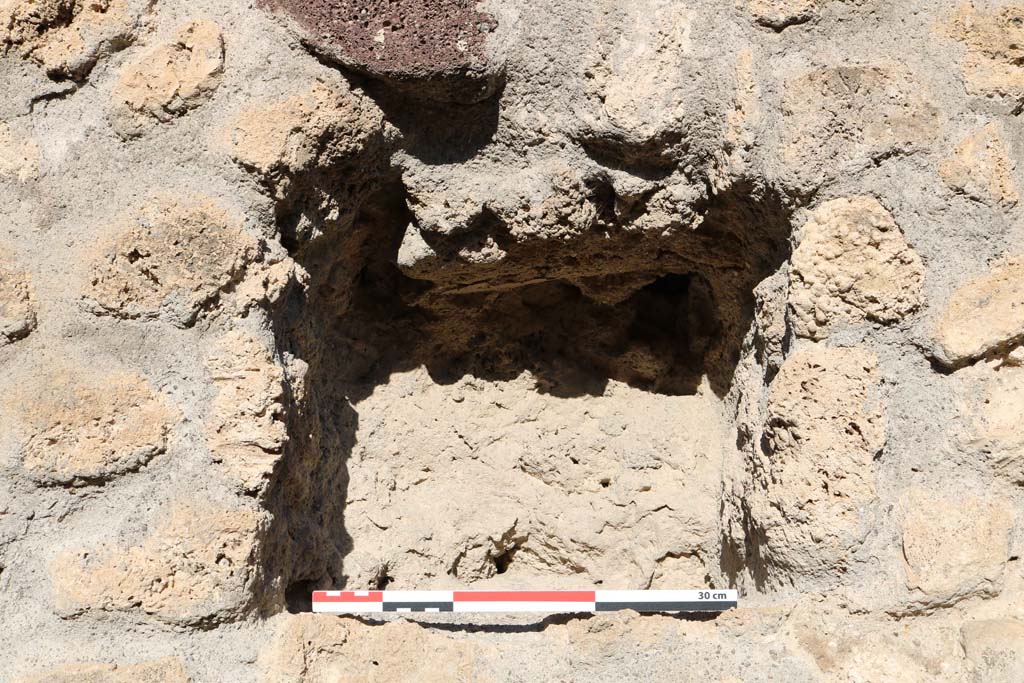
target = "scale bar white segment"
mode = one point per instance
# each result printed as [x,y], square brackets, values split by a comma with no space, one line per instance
[348,607]
[668,596]
[522,606]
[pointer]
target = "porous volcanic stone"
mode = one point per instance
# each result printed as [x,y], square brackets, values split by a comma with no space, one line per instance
[432,48]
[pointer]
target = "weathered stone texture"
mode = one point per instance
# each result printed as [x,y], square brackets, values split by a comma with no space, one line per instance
[990,405]
[779,14]
[316,127]
[169,261]
[199,565]
[549,503]
[954,547]
[167,670]
[852,265]
[848,117]
[170,80]
[862,650]
[981,168]
[985,315]
[825,428]
[17,309]
[645,108]
[245,427]
[515,294]
[19,155]
[993,38]
[314,649]
[84,426]
[300,144]
[996,648]
[802,647]
[434,48]
[67,37]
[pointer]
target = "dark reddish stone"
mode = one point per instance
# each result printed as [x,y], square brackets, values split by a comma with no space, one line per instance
[435,48]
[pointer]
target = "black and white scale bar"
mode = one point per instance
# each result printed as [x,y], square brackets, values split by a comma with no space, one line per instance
[390,606]
[552,601]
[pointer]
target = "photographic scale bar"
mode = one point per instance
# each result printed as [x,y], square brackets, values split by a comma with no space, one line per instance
[363,602]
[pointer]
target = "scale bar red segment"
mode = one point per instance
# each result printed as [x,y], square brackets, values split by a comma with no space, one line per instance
[348,596]
[525,596]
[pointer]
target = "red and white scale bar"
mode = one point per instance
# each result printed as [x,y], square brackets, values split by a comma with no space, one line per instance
[362,602]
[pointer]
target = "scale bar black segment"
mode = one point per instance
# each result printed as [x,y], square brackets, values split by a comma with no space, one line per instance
[418,606]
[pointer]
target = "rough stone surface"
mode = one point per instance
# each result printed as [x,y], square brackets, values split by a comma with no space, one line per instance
[824,430]
[801,647]
[68,37]
[985,315]
[17,310]
[996,648]
[82,426]
[848,117]
[852,265]
[991,403]
[245,427]
[167,670]
[778,14]
[644,84]
[19,155]
[981,168]
[626,474]
[310,129]
[857,651]
[410,294]
[170,80]
[197,566]
[296,142]
[992,38]
[310,649]
[434,48]
[169,261]
[954,548]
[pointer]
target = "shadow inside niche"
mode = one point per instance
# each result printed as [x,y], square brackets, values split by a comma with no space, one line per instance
[439,133]
[360,321]
[434,132]
[686,324]
[570,344]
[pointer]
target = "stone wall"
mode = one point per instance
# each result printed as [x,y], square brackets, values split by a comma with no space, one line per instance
[661,294]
